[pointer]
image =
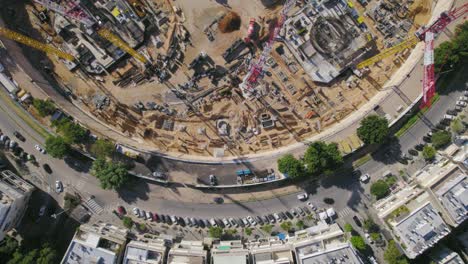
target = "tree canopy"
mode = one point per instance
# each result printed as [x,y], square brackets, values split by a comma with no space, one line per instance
[286,226]
[71,132]
[291,166]
[379,189]
[57,147]
[44,107]
[373,129]
[441,138]
[392,255]
[102,148]
[358,243]
[45,255]
[457,126]
[428,152]
[321,157]
[110,175]
[215,231]
[451,53]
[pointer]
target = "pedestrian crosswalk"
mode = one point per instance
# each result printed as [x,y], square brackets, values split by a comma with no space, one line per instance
[346,211]
[93,206]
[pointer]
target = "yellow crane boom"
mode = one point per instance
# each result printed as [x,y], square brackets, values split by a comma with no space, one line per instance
[34,43]
[408,43]
[107,34]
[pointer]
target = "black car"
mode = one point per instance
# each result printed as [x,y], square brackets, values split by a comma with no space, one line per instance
[265,219]
[427,139]
[19,136]
[289,215]
[412,152]
[328,201]
[419,147]
[218,200]
[259,220]
[282,215]
[357,221]
[206,222]
[200,223]
[163,218]
[168,220]
[47,168]
[452,112]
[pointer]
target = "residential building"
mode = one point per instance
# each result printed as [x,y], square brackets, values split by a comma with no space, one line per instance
[270,251]
[14,196]
[98,243]
[187,252]
[145,250]
[323,244]
[444,255]
[229,252]
[414,219]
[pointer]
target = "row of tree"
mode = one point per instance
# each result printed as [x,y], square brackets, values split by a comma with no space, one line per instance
[324,158]
[112,175]
[453,53]
[12,253]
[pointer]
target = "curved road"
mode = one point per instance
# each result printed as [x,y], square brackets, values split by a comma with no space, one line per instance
[179,200]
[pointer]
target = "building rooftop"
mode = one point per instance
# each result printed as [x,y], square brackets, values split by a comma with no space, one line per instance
[13,185]
[187,252]
[232,252]
[453,195]
[148,252]
[97,243]
[270,251]
[443,255]
[420,230]
[323,244]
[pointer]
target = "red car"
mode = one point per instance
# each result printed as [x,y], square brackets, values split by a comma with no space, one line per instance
[121,210]
[155,217]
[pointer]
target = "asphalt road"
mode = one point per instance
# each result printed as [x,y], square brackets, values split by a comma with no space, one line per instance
[343,189]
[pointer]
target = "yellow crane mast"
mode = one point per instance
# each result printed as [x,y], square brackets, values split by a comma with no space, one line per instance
[34,43]
[107,34]
[408,43]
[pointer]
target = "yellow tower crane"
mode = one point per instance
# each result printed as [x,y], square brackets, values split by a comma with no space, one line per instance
[107,34]
[407,43]
[34,43]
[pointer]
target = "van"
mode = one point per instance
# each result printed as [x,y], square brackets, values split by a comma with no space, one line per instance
[449,117]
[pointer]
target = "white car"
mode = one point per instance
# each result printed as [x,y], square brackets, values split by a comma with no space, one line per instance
[463,98]
[41,150]
[136,211]
[213,222]
[312,206]
[461,103]
[365,177]
[302,196]
[251,220]
[226,222]
[58,187]
[245,221]
[277,217]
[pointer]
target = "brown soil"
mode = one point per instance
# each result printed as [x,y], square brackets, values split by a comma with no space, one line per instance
[229,23]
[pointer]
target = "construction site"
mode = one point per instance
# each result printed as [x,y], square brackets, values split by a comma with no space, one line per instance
[223,78]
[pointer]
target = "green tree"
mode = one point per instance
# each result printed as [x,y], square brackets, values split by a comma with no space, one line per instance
[379,189]
[457,126]
[291,166]
[373,129]
[300,224]
[57,147]
[7,248]
[375,236]
[215,232]
[370,226]
[111,175]
[72,132]
[441,138]
[348,228]
[44,107]
[452,53]
[321,157]
[267,228]
[20,258]
[286,226]
[248,231]
[102,148]
[47,255]
[428,152]
[127,222]
[393,255]
[358,243]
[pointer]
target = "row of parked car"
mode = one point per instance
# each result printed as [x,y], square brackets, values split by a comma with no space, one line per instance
[296,212]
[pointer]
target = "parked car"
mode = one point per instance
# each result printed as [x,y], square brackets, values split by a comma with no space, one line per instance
[188,222]
[251,220]
[206,222]
[121,210]
[293,212]
[38,148]
[312,206]
[47,168]
[272,219]
[213,222]
[218,200]
[143,214]
[413,152]
[136,212]
[419,147]
[300,211]
[12,145]
[259,220]
[213,180]
[449,117]
[452,112]
[155,217]
[302,196]
[58,186]
[427,139]
[463,98]
[364,178]
[461,103]
[283,216]
[232,222]
[277,217]
[226,222]
[168,220]
[19,136]
[149,216]
[245,221]
[357,221]
[265,219]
